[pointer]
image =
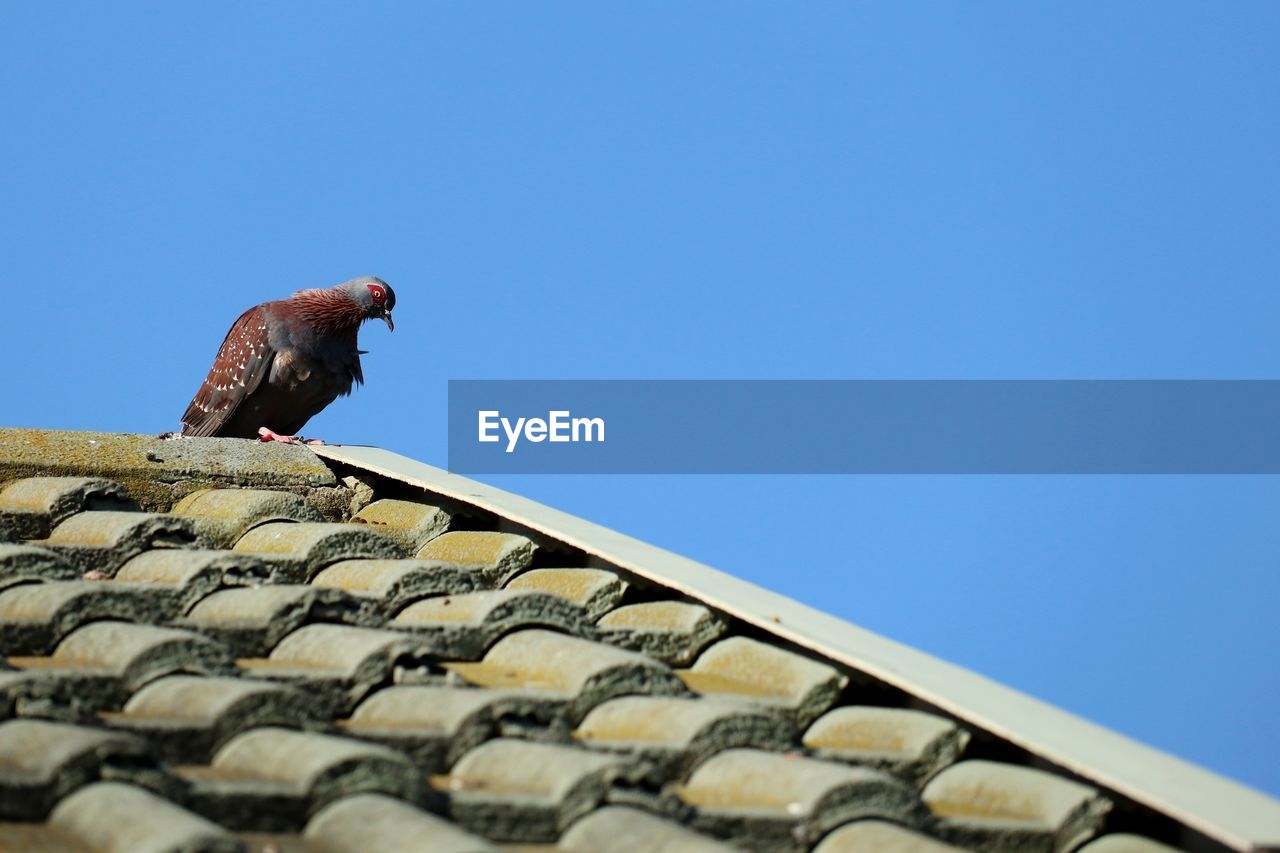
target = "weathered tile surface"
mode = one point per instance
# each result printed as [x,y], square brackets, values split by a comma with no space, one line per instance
[911,744]
[757,671]
[672,631]
[1003,807]
[882,837]
[677,732]
[216,644]
[275,779]
[770,800]
[596,591]
[515,790]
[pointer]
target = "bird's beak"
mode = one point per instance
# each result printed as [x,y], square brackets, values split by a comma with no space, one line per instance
[386,315]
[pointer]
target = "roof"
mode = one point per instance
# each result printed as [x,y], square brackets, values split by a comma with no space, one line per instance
[215,644]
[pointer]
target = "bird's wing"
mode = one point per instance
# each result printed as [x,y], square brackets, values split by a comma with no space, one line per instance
[243,360]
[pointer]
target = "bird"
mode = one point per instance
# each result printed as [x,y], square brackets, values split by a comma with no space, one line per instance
[283,361]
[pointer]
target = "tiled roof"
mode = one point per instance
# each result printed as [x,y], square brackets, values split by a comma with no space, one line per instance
[210,644]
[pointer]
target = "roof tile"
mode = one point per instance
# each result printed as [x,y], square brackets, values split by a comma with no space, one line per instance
[435,725]
[42,761]
[20,563]
[749,668]
[498,551]
[463,627]
[672,631]
[224,515]
[33,506]
[906,742]
[32,693]
[620,829]
[413,524]
[583,672]
[375,822]
[678,732]
[273,778]
[101,542]
[396,583]
[1005,807]
[189,717]
[882,837]
[191,575]
[596,591]
[342,663]
[514,790]
[784,801]
[311,546]
[34,617]
[112,659]
[119,817]
[252,620]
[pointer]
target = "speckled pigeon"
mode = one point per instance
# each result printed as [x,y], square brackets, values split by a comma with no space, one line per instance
[284,361]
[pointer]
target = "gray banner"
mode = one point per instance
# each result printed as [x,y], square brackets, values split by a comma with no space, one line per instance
[864,427]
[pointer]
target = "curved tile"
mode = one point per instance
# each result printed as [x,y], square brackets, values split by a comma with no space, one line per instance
[188,717]
[395,583]
[506,553]
[118,817]
[113,659]
[376,822]
[341,663]
[463,626]
[909,743]
[310,546]
[678,732]
[223,515]
[739,666]
[515,790]
[582,672]
[273,779]
[880,836]
[1006,807]
[412,524]
[620,829]
[671,631]
[435,725]
[761,798]
[20,563]
[191,575]
[33,506]
[596,591]
[41,762]
[101,542]
[34,617]
[252,620]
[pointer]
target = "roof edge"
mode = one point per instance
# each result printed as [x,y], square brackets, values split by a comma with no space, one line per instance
[1227,811]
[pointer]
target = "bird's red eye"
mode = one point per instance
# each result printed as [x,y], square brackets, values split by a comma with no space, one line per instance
[379,295]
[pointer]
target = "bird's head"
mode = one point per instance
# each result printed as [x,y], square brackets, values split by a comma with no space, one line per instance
[374,296]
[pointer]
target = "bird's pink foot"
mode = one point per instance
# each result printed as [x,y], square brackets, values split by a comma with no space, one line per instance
[265,434]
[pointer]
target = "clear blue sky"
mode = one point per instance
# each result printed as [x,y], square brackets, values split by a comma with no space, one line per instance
[929,190]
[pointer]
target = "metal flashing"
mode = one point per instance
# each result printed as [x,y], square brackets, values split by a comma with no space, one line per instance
[1226,811]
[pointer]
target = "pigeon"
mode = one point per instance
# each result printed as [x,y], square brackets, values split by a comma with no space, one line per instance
[284,361]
